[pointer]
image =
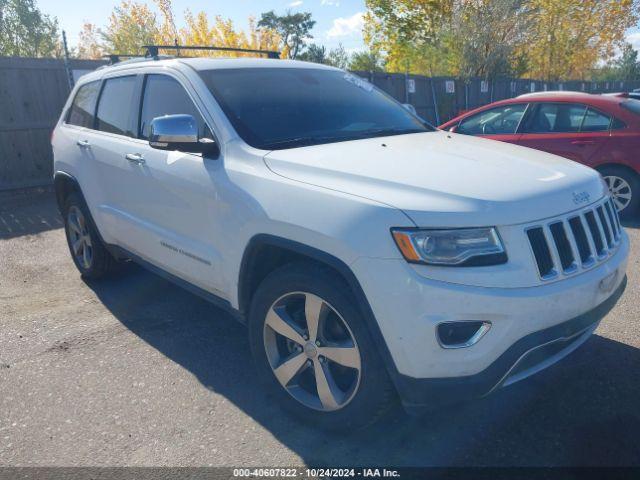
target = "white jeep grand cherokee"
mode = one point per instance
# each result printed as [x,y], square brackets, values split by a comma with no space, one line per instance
[369,254]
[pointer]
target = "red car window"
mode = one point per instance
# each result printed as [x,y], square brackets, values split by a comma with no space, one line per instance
[556,118]
[502,120]
[595,121]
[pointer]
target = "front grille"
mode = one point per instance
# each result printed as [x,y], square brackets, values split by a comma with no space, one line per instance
[564,246]
[541,251]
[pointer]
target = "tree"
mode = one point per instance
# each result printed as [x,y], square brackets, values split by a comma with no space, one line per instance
[88,42]
[546,39]
[447,37]
[27,32]
[294,29]
[404,21]
[168,32]
[222,33]
[314,53]
[366,61]
[571,37]
[131,25]
[628,66]
[487,35]
[338,57]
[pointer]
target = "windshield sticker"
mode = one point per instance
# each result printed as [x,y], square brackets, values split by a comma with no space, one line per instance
[358,82]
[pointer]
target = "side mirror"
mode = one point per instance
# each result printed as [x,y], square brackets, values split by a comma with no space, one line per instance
[179,132]
[453,129]
[411,108]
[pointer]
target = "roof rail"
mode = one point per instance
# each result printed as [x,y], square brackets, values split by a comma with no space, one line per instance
[152,50]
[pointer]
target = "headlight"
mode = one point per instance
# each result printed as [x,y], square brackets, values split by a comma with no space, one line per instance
[459,247]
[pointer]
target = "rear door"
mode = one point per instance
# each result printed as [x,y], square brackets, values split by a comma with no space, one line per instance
[109,143]
[571,130]
[497,123]
[73,152]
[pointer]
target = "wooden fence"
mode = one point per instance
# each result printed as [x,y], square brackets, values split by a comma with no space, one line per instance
[33,92]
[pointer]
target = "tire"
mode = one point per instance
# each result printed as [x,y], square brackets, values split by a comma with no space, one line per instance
[361,396]
[624,185]
[87,250]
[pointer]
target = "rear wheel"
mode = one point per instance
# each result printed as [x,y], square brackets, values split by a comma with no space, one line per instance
[624,186]
[313,351]
[87,250]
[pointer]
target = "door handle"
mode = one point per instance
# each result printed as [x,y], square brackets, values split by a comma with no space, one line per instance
[83,143]
[583,142]
[135,158]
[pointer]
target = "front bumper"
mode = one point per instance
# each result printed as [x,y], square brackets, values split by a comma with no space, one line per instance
[531,328]
[527,356]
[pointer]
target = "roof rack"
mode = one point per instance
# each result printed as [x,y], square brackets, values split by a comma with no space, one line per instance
[152,50]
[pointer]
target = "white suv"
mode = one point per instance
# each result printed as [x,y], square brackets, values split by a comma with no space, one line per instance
[371,255]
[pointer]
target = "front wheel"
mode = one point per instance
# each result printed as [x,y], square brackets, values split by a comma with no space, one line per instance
[624,186]
[313,351]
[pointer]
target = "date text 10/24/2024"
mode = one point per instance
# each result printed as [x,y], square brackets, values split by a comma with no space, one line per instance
[316,472]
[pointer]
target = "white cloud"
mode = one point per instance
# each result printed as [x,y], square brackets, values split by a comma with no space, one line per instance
[331,3]
[296,3]
[346,27]
[634,39]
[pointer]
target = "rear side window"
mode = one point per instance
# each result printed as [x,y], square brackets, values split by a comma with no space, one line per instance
[84,105]
[618,124]
[500,120]
[557,118]
[595,121]
[116,105]
[164,95]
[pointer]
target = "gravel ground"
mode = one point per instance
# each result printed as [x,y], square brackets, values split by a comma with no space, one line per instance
[135,371]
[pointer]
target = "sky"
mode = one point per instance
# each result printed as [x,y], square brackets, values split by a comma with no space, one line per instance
[338,21]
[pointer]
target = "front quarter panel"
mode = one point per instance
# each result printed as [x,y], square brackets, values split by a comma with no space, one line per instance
[339,224]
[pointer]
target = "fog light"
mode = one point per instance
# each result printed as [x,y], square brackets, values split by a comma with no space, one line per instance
[461,334]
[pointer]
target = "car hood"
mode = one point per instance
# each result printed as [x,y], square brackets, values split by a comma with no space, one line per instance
[441,179]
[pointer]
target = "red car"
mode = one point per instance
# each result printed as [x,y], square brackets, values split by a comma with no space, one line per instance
[600,131]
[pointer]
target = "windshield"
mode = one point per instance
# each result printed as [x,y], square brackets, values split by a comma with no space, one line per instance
[277,108]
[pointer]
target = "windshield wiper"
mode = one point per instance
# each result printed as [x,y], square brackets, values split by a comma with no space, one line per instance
[315,140]
[291,142]
[383,132]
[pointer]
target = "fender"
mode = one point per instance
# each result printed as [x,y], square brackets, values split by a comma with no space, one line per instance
[336,264]
[61,182]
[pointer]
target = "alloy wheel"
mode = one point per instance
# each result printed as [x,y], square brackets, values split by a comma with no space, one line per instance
[620,191]
[79,237]
[312,351]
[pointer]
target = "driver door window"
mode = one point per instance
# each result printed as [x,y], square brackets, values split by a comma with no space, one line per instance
[163,95]
[502,120]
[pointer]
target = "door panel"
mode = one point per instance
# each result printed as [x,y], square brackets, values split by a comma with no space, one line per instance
[570,130]
[174,208]
[580,147]
[109,143]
